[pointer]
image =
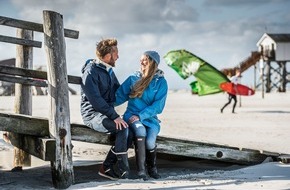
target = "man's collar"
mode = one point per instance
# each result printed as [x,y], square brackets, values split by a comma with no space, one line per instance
[105,64]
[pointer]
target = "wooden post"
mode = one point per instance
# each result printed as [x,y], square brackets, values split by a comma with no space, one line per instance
[59,117]
[283,76]
[23,94]
[263,83]
[268,76]
[255,77]
[240,97]
[261,67]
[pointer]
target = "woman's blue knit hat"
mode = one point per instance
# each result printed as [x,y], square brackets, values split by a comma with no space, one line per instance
[154,55]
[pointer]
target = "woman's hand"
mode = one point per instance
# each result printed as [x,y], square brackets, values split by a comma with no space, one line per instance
[133,118]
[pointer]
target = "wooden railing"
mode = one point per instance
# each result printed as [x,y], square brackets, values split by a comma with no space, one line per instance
[244,65]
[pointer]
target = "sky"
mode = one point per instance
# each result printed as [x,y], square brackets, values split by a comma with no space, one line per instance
[221,32]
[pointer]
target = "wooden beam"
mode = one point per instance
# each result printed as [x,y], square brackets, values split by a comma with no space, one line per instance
[34,74]
[33,26]
[23,80]
[23,72]
[20,41]
[170,146]
[24,124]
[208,151]
[83,133]
[42,148]
[37,126]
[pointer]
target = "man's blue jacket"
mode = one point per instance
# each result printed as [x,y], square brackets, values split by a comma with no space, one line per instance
[98,88]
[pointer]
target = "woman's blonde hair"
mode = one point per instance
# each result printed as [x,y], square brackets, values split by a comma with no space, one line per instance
[143,82]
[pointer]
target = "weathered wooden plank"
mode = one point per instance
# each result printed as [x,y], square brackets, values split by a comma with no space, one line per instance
[83,133]
[24,124]
[20,41]
[37,126]
[166,145]
[34,74]
[42,148]
[33,26]
[23,72]
[208,151]
[23,80]
[59,113]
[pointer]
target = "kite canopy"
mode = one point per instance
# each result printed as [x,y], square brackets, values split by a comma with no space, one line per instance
[187,64]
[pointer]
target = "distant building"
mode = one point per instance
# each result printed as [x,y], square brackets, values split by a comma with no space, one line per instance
[275,53]
[275,47]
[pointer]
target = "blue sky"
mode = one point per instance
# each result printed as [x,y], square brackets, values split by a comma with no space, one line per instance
[222,32]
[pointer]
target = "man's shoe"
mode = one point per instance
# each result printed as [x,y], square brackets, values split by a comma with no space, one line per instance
[108,173]
[124,175]
[142,176]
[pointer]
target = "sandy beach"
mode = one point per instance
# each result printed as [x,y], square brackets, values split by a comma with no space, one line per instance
[259,123]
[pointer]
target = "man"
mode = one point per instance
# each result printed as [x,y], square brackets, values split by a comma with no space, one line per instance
[235,80]
[98,88]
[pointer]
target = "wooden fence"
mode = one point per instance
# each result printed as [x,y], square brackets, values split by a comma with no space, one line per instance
[57,83]
[50,138]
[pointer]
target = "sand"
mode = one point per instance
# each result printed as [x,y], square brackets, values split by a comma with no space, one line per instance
[260,123]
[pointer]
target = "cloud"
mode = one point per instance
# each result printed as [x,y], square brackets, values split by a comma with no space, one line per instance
[244,3]
[222,32]
[111,17]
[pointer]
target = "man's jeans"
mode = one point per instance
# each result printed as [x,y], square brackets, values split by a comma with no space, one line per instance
[103,124]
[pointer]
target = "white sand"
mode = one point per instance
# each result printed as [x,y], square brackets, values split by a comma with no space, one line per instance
[261,124]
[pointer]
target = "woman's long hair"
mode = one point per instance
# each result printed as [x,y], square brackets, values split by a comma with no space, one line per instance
[142,84]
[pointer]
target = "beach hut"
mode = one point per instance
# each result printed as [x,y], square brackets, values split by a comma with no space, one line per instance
[275,53]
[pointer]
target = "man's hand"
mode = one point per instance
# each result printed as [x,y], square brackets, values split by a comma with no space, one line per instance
[120,123]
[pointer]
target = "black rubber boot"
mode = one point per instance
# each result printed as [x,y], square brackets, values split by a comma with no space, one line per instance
[151,163]
[123,165]
[107,168]
[140,157]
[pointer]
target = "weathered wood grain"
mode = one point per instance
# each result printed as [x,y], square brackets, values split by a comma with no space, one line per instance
[59,113]
[23,94]
[33,26]
[23,80]
[29,73]
[19,41]
[42,148]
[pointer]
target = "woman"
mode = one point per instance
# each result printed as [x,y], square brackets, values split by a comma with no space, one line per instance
[146,92]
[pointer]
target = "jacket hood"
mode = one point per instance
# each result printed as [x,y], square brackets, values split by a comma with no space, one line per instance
[89,64]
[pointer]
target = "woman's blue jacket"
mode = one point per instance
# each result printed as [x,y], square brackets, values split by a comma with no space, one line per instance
[151,103]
